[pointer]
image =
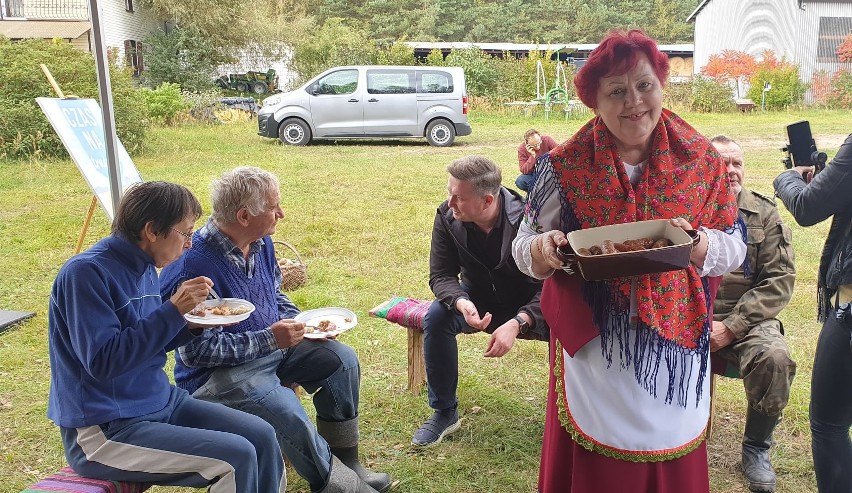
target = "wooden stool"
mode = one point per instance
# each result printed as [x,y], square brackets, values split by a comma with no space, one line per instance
[416,361]
[718,367]
[409,313]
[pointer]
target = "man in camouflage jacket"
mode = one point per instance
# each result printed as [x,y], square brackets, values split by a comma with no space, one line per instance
[745,334]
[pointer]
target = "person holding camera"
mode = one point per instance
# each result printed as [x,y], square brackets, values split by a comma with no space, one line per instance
[533,147]
[746,334]
[827,194]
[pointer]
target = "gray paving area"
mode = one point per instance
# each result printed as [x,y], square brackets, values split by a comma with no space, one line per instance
[9,318]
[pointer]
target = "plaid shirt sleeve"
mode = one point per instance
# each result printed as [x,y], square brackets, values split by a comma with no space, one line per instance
[216,347]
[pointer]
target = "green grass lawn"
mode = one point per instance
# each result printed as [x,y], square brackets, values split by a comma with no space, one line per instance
[360,213]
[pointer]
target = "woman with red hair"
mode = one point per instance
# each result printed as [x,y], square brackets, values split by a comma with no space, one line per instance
[628,400]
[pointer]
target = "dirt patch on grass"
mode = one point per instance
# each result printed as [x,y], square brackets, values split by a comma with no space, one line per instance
[823,141]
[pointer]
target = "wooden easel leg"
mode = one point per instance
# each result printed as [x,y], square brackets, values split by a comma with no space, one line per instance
[86,225]
[416,361]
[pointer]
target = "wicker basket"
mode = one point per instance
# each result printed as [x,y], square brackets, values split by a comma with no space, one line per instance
[295,274]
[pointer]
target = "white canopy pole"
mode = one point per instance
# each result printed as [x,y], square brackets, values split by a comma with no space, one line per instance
[105,94]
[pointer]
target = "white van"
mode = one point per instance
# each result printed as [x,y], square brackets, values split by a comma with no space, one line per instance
[371,101]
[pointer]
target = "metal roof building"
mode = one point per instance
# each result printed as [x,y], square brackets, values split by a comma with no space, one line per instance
[421,49]
[805,33]
[680,55]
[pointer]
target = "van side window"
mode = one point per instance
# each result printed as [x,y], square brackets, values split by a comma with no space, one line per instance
[434,82]
[390,81]
[340,82]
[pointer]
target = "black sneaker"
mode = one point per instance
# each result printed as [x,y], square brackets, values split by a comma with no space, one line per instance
[439,425]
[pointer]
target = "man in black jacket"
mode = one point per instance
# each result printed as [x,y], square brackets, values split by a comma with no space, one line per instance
[476,282]
[828,195]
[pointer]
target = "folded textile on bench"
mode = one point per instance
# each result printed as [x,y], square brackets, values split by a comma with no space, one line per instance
[68,481]
[407,312]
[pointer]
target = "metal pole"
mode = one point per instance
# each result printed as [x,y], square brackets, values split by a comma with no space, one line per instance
[105,94]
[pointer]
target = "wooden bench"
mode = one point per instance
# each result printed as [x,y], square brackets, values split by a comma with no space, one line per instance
[575,107]
[528,108]
[68,481]
[745,105]
[409,313]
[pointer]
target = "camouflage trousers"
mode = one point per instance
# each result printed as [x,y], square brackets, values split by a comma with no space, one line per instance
[765,366]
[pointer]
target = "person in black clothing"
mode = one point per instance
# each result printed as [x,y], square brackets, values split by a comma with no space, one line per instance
[828,194]
[476,282]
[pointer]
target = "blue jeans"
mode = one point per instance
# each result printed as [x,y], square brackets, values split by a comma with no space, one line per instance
[327,369]
[440,350]
[525,182]
[831,407]
[187,443]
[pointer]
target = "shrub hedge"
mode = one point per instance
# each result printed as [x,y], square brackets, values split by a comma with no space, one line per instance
[840,92]
[787,89]
[164,103]
[24,130]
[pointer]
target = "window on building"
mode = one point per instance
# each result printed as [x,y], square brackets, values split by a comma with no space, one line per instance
[832,30]
[128,5]
[12,8]
[133,56]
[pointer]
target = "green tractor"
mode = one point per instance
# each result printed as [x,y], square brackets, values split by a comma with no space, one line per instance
[251,81]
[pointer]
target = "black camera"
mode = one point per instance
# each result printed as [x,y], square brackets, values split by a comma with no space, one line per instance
[802,150]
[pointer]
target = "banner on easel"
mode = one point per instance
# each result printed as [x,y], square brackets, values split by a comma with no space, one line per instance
[80,125]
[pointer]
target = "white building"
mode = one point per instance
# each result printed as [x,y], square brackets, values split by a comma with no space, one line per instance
[804,32]
[125,25]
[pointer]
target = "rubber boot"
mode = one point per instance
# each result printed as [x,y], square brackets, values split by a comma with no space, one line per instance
[342,437]
[344,480]
[756,442]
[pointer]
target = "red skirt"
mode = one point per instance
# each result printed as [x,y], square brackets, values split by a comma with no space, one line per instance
[567,467]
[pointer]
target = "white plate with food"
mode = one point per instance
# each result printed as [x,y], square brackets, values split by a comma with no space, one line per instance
[224,311]
[321,323]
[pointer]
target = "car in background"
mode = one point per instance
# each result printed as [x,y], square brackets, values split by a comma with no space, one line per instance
[374,101]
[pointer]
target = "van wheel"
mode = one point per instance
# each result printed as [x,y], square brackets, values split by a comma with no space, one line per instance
[440,133]
[294,132]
